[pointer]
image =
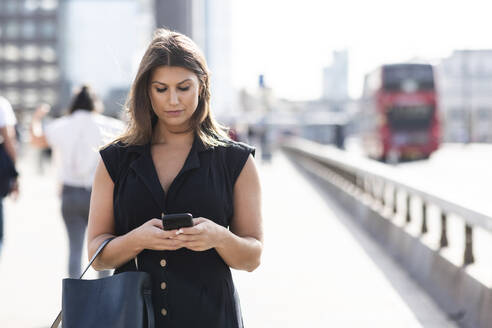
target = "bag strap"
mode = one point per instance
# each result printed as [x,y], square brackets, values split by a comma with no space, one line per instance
[57,321]
[99,250]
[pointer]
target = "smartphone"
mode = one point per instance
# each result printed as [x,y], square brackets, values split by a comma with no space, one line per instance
[176,221]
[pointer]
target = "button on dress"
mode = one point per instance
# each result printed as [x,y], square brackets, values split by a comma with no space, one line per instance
[190,288]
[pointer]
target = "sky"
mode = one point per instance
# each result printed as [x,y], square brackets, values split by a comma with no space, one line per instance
[291,41]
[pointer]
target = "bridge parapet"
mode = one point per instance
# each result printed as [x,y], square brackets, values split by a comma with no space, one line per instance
[461,295]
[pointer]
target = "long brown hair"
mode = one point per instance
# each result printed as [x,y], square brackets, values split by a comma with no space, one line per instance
[169,48]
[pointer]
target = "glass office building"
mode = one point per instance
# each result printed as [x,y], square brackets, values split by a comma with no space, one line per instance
[29,66]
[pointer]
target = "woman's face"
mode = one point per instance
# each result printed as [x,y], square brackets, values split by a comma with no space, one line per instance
[174,95]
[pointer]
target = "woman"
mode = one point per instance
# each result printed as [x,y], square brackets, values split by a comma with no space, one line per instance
[174,158]
[75,139]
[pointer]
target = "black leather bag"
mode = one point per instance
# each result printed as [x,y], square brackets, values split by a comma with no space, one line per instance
[123,300]
[8,173]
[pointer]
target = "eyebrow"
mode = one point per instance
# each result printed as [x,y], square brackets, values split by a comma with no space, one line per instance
[158,82]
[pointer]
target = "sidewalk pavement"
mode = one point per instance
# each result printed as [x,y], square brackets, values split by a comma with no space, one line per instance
[318,270]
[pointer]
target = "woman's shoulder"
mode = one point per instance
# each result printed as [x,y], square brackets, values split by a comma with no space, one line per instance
[119,151]
[233,148]
[115,147]
[120,146]
[234,155]
[59,122]
[118,155]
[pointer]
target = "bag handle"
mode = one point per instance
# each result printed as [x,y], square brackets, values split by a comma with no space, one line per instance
[56,323]
[99,250]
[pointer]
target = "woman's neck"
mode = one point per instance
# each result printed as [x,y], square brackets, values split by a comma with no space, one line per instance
[162,135]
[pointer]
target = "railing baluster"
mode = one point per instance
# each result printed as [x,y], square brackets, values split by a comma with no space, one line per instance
[374,189]
[395,200]
[383,194]
[408,216]
[468,256]
[444,231]
[424,218]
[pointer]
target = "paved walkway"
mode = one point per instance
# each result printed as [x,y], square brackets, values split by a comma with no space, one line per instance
[318,269]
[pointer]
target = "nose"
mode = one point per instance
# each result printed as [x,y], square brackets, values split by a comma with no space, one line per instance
[173,97]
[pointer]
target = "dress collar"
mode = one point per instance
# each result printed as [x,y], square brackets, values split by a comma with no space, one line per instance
[145,169]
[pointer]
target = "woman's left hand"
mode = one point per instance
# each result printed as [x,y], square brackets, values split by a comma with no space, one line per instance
[205,234]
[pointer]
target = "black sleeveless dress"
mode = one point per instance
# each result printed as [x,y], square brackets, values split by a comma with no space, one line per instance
[189,289]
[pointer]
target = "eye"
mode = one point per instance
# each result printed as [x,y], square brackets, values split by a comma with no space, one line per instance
[160,90]
[184,88]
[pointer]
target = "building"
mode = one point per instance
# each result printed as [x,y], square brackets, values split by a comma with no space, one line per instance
[29,63]
[335,77]
[101,43]
[207,22]
[176,15]
[50,47]
[464,81]
[218,50]
[184,16]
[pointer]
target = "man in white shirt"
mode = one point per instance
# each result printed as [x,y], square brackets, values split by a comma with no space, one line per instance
[7,136]
[75,140]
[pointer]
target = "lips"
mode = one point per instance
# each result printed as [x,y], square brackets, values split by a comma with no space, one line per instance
[174,112]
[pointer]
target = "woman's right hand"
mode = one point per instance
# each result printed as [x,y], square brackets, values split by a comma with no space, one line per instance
[151,235]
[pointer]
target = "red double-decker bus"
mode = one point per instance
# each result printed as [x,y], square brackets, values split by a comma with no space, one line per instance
[399,113]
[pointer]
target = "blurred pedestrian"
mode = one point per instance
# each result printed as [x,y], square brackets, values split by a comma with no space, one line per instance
[232,133]
[9,181]
[75,139]
[174,158]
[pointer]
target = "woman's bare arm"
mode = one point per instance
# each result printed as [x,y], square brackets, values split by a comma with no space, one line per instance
[101,225]
[242,247]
